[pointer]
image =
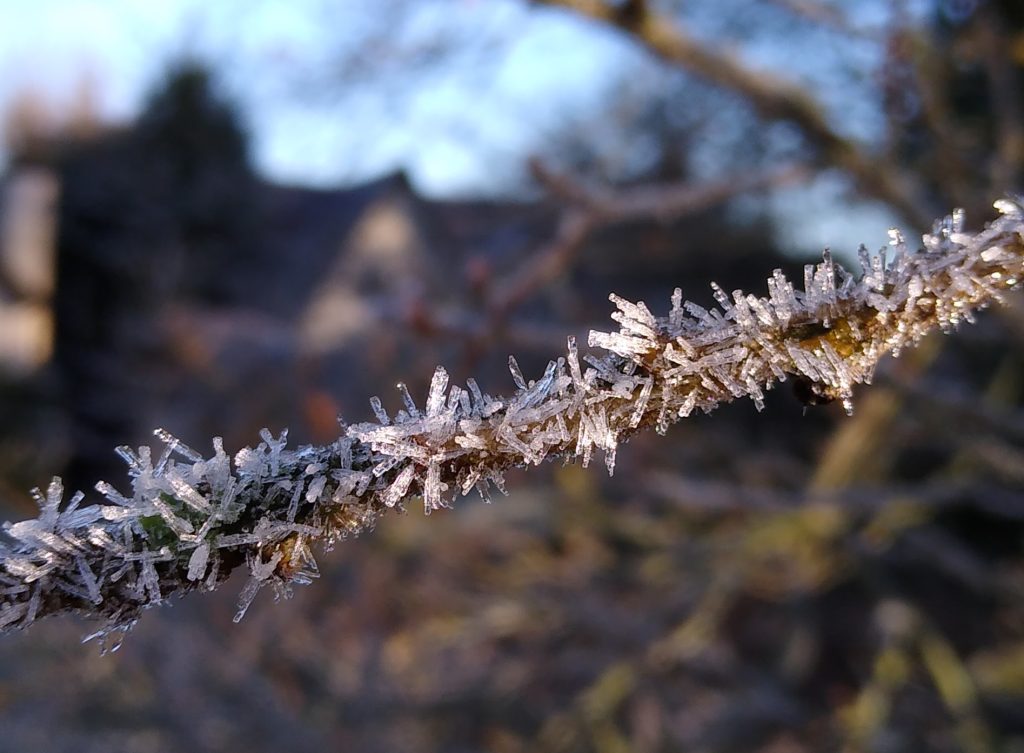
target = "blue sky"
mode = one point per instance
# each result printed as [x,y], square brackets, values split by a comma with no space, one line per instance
[312,79]
[284,64]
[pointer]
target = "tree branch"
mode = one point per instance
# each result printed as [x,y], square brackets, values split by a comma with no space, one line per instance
[590,209]
[189,520]
[773,98]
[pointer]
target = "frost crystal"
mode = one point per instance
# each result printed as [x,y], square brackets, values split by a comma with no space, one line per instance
[190,520]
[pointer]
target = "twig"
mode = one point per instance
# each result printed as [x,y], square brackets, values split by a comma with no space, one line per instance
[969,409]
[828,16]
[189,521]
[591,209]
[723,497]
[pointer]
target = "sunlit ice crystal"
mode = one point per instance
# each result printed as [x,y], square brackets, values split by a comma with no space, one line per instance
[188,520]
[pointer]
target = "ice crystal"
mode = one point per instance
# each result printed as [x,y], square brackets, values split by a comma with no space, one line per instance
[190,520]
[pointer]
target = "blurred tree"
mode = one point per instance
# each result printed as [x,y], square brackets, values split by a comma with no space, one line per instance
[157,212]
[199,173]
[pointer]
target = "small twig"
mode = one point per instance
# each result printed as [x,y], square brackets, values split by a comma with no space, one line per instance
[189,521]
[720,496]
[955,403]
[591,209]
[828,16]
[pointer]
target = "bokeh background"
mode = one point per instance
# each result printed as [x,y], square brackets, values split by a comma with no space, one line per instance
[216,217]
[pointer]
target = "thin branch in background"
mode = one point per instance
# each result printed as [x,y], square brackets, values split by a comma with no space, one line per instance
[773,98]
[829,17]
[588,210]
[189,521]
[970,409]
[591,209]
[695,495]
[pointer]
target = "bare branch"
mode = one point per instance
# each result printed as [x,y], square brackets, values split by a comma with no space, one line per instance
[772,97]
[591,209]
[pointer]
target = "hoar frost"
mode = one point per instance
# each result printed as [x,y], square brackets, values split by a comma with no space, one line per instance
[190,520]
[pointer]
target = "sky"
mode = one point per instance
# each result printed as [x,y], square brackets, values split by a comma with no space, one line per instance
[335,92]
[289,66]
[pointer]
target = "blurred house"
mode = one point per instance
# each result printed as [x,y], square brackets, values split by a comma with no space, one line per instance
[159,282]
[148,277]
[27,228]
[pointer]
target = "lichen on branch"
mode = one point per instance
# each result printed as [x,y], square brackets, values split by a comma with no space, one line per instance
[189,520]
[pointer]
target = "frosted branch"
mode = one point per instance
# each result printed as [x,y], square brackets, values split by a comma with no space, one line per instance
[190,520]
